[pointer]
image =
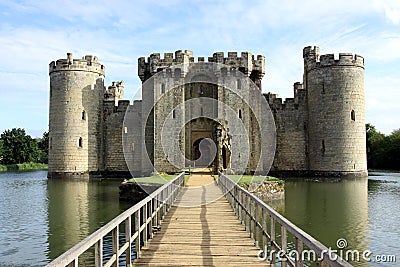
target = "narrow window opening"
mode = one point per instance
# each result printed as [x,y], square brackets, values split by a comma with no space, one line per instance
[323,88]
[83,115]
[238,84]
[201,111]
[177,73]
[163,88]
[173,114]
[353,115]
[240,113]
[126,129]
[80,142]
[323,147]
[201,90]
[224,72]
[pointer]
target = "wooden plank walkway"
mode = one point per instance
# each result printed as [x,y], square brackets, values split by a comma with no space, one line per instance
[200,230]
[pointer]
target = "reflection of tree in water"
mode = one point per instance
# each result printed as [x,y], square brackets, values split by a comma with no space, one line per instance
[375,185]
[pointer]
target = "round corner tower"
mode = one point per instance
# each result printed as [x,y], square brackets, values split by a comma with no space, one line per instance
[75,116]
[336,113]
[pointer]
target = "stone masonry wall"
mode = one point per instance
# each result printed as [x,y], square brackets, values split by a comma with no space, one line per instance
[75,116]
[321,130]
[336,112]
[113,130]
[291,136]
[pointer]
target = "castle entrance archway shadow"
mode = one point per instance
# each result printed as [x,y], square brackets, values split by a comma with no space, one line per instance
[203,152]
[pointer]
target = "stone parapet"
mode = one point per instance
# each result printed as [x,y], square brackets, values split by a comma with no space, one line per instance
[246,63]
[88,63]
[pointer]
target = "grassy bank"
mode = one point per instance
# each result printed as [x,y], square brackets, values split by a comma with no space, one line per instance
[156,179]
[24,167]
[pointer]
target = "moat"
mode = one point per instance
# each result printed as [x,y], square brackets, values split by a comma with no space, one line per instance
[41,218]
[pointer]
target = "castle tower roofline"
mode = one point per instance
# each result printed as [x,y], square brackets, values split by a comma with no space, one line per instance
[87,63]
[247,63]
[312,59]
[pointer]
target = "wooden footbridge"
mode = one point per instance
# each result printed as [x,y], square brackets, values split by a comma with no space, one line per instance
[205,223]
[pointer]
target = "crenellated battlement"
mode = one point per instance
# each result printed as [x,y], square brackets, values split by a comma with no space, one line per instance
[299,98]
[154,62]
[246,63]
[87,63]
[320,128]
[114,92]
[312,59]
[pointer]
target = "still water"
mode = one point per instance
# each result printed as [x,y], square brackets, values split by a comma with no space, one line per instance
[40,218]
[365,213]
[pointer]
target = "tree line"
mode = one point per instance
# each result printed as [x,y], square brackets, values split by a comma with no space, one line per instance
[383,151]
[17,147]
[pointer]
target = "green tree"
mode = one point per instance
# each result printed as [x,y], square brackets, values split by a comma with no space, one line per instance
[43,145]
[373,136]
[383,152]
[392,150]
[1,149]
[375,147]
[18,147]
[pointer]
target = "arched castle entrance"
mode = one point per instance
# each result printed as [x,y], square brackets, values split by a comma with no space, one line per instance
[206,144]
[201,142]
[203,152]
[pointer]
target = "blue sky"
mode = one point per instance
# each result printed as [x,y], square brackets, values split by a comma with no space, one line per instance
[33,33]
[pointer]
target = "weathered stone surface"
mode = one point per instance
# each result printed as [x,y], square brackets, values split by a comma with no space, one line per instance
[267,190]
[320,131]
[76,111]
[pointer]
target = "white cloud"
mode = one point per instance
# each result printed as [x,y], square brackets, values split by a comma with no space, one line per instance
[390,8]
[118,32]
[382,102]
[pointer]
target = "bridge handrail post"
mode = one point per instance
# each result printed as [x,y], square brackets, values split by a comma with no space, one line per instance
[251,225]
[299,249]
[284,243]
[145,232]
[164,199]
[242,213]
[249,209]
[144,215]
[264,230]
[115,243]
[257,223]
[137,230]
[98,253]
[273,243]
[128,238]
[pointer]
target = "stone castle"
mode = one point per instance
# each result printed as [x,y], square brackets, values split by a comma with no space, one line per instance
[319,132]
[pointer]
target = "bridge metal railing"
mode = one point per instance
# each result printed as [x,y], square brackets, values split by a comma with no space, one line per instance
[261,222]
[138,222]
